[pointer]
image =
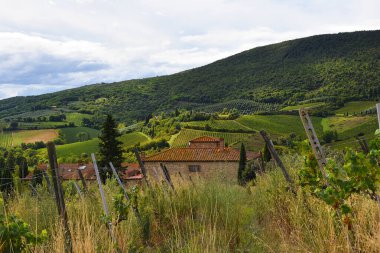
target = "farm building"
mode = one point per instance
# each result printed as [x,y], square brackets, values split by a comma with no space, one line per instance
[205,156]
[69,171]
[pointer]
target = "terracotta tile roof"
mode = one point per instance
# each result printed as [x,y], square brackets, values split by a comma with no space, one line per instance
[207,139]
[198,154]
[130,165]
[68,171]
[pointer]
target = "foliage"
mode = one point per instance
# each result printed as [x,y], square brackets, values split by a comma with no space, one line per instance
[360,174]
[16,235]
[109,146]
[330,136]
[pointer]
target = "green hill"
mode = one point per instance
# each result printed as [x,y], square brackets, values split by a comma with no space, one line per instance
[330,68]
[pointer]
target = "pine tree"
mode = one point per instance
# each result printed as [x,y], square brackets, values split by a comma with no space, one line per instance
[242,164]
[110,147]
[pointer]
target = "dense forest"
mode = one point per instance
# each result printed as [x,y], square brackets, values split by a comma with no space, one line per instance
[332,68]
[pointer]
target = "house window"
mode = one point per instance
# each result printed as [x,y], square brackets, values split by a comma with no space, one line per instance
[194,168]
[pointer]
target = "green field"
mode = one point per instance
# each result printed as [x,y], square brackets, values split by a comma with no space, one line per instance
[355,107]
[71,133]
[75,149]
[279,124]
[77,118]
[342,124]
[131,139]
[297,107]
[219,124]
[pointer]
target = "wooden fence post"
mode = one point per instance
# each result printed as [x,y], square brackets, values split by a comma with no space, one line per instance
[80,193]
[59,195]
[167,176]
[142,167]
[105,207]
[47,180]
[378,113]
[82,179]
[34,191]
[134,208]
[314,142]
[363,144]
[277,158]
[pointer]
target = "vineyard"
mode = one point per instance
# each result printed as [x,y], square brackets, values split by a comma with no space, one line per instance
[186,135]
[226,125]
[6,139]
[242,105]
[14,138]
[278,124]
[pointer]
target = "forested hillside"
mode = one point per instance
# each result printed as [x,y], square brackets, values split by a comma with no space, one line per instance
[329,68]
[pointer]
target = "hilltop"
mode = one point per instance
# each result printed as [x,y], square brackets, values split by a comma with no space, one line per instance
[332,68]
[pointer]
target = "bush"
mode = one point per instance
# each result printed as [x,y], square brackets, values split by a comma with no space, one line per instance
[329,136]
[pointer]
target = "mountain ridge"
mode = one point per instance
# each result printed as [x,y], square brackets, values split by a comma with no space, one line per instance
[331,67]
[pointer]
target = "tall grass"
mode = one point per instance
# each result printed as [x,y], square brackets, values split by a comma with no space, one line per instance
[206,216]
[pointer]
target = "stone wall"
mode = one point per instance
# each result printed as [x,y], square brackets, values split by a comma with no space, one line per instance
[221,170]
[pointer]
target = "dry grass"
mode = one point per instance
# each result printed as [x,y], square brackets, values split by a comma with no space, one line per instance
[208,217]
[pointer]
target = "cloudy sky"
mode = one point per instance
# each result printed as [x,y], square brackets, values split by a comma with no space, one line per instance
[49,45]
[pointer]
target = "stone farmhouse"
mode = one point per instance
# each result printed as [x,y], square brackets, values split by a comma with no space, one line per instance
[204,156]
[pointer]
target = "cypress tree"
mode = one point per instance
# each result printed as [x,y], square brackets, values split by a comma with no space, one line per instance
[109,146]
[242,164]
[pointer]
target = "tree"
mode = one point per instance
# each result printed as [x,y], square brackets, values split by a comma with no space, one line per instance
[242,164]
[109,146]
[330,136]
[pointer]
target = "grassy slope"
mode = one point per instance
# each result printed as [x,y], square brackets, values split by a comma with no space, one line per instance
[188,134]
[355,107]
[77,148]
[297,107]
[218,124]
[132,139]
[279,124]
[77,118]
[91,146]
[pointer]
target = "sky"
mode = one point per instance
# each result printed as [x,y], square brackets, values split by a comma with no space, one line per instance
[51,45]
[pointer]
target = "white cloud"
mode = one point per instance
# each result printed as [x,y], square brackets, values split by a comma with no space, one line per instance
[48,45]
